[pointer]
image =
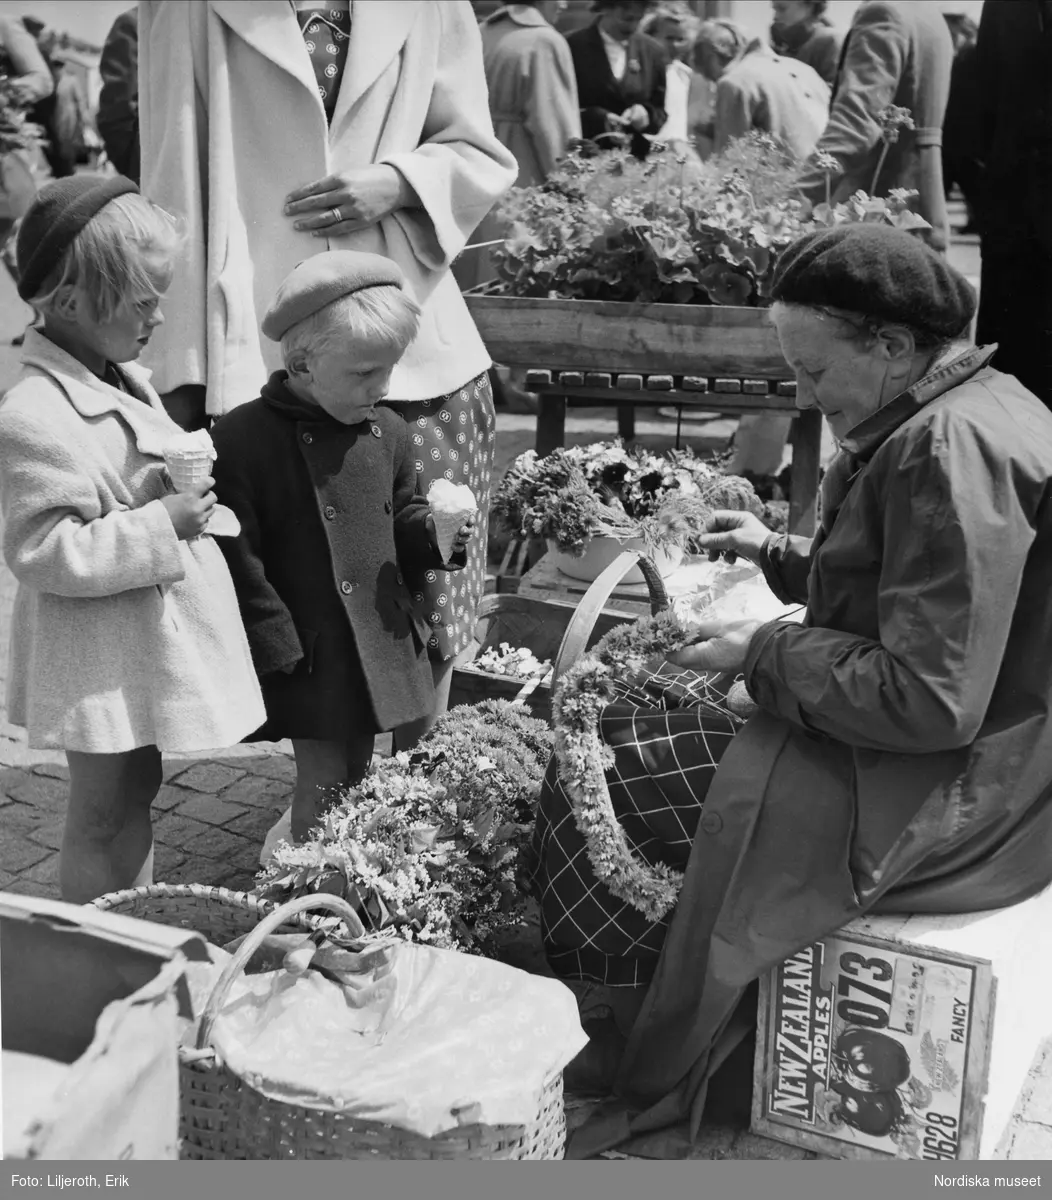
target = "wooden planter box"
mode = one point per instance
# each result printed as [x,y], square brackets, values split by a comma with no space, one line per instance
[648,339]
[714,357]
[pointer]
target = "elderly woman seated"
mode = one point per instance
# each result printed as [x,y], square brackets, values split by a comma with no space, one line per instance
[900,758]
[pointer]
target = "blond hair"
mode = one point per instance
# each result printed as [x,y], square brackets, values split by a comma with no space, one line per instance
[116,258]
[726,37]
[382,318]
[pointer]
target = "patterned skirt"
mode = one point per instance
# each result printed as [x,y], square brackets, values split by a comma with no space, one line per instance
[453,437]
[668,730]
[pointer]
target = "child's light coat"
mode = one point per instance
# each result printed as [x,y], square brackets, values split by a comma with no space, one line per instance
[122,636]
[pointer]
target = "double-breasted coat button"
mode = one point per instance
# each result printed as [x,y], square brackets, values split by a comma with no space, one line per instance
[711,822]
[346,588]
[308,438]
[330,513]
[388,506]
[377,431]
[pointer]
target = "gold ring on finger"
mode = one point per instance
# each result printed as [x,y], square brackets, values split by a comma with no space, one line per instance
[337,216]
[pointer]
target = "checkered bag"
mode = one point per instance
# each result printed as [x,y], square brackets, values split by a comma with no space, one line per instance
[668,730]
[668,727]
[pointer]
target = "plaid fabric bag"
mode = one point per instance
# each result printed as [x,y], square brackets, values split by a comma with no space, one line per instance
[668,728]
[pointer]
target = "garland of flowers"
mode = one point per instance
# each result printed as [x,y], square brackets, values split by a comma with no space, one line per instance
[583,758]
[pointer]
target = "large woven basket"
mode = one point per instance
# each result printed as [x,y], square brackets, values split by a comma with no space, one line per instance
[219,914]
[223,1117]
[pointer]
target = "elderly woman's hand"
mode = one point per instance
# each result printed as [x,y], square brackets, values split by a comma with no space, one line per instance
[719,646]
[349,200]
[732,534]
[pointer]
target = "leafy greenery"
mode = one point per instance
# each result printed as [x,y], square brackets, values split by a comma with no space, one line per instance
[606,226]
[17,132]
[427,846]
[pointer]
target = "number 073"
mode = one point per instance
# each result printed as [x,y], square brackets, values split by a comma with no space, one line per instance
[857,1005]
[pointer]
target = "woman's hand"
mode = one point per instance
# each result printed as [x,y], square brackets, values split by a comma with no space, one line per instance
[637,117]
[189,511]
[732,534]
[349,200]
[719,646]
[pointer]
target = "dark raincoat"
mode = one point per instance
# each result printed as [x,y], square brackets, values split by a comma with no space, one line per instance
[903,758]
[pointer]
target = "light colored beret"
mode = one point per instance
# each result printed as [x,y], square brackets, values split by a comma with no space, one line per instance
[320,280]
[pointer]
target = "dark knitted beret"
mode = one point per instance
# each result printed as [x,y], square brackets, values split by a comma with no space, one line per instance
[879,271]
[59,212]
[320,280]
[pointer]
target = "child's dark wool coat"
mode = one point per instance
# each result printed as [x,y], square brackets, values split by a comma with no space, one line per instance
[333,541]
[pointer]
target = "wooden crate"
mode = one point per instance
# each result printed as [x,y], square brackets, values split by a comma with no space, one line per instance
[611,336]
[538,625]
[983,1038]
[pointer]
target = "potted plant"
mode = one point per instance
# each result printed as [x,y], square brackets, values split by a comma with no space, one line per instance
[662,266]
[591,502]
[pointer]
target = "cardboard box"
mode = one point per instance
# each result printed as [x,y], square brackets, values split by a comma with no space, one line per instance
[868,1048]
[90,1005]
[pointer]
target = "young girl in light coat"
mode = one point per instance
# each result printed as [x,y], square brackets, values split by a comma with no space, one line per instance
[126,639]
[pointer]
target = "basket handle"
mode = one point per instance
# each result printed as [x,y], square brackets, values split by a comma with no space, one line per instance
[255,939]
[579,630]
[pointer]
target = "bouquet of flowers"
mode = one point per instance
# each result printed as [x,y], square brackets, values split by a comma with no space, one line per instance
[514,662]
[580,492]
[427,846]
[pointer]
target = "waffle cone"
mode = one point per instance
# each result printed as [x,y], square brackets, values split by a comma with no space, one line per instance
[447,525]
[187,469]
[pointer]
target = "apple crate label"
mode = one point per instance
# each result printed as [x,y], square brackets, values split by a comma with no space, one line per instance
[868,1044]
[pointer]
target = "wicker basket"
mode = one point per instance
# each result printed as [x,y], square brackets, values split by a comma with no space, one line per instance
[218,914]
[222,1117]
[538,625]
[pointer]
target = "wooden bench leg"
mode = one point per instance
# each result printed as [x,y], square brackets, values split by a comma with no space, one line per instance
[626,421]
[806,441]
[551,423]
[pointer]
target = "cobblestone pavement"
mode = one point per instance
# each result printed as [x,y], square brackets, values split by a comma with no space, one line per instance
[212,814]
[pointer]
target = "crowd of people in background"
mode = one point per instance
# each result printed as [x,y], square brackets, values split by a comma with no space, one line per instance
[647,72]
[642,71]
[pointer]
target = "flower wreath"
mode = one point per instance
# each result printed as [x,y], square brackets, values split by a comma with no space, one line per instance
[583,758]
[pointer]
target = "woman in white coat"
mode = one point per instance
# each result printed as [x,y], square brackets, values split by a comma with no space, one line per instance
[278,130]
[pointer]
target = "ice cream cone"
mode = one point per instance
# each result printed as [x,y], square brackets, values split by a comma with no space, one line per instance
[187,468]
[451,505]
[447,525]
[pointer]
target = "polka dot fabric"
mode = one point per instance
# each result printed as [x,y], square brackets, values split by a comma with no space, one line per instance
[453,438]
[326,33]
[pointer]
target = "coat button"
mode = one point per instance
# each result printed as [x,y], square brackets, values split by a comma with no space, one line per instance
[711,822]
[308,438]
[330,513]
[377,431]
[346,588]
[388,506]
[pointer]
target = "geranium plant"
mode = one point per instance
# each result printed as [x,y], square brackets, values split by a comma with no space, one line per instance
[427,846]
[580,492]
[606,226]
